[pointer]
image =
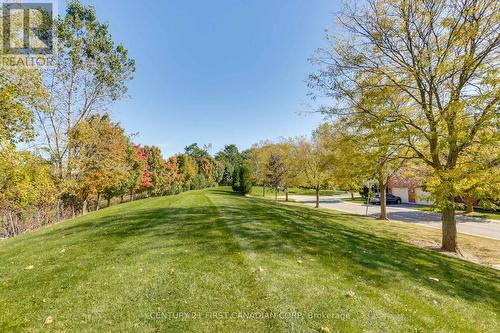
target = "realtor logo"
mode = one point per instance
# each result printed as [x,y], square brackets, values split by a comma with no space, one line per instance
[27,28]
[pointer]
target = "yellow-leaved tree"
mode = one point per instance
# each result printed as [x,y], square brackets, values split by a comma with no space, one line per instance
[441,59]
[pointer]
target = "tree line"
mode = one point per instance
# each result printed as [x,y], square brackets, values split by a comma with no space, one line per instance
[413,87]
[61,154]
[290,163]
[58,147]
[414,91]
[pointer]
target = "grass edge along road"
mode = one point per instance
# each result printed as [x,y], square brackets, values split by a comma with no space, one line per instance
[257,191]
[136,266]
[480,213]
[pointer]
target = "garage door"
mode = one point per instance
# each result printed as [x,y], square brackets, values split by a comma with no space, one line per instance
[422,197]
[401,192]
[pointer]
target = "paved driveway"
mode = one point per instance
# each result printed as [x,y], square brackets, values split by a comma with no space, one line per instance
[467,225]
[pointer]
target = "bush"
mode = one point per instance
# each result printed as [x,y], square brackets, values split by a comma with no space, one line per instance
[242,180]
[364,192]
[199,182]
[236,180]
[245,180]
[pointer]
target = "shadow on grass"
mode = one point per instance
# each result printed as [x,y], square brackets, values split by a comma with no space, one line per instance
[268,227]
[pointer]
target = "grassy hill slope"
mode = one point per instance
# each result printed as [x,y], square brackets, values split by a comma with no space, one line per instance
[167,264]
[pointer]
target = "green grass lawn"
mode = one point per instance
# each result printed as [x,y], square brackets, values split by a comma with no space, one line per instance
[359,200]
[213,261]
[257,191]
[485,214]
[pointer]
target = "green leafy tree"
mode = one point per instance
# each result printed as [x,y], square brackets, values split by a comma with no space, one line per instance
[156,165]
[231,158]
[200,182]
[257,158]
[292,169]
[25,185]
[218,171]
[245,180]
[315,172]
[236,180]
[346,153]
[276,172]
[20,92]
[90,71]
[196,152]
[379,148]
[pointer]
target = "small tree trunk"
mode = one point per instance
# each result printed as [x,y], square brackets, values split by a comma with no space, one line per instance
[383,204]
[121,198]
[58,211]
[317,197]
[449,229]
[286,194]
[109,201]
[276,194]
[263,190]
[131,195]
[352,195]
[469,204]
[98,200]
[84,208]
[13,228]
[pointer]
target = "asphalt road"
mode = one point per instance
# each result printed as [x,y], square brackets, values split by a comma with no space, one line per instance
[466,225]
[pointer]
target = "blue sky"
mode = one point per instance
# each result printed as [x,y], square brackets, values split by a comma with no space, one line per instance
[217,72]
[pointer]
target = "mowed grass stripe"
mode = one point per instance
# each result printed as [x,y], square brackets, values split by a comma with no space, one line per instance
[78,266]
[135,267]
[132,267]
[325,255]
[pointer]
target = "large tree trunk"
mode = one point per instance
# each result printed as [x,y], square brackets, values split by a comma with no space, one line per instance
[469,204]
[317,197]
[449,229]
[383,204]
